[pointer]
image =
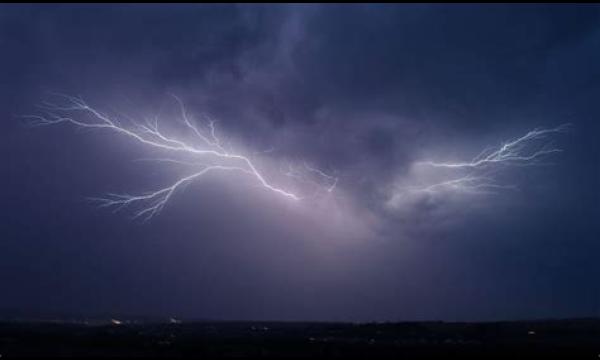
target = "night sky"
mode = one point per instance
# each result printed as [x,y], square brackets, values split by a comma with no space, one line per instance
[365,94]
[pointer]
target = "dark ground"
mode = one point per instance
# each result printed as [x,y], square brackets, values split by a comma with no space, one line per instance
[569,339]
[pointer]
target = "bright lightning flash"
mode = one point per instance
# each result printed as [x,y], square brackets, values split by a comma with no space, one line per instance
[480,174]
[207,150]
[515,152]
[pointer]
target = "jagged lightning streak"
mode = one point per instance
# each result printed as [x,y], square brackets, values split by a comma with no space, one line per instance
[330,178]
[472,184]
[481,171]
[148,133]
[515,152]
[307,174]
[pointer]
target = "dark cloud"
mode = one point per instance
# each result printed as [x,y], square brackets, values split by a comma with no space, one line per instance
[361,91]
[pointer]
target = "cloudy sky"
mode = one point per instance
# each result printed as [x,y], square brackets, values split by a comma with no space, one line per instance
[375,117]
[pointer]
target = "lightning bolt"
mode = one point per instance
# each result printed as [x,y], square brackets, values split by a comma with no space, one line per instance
[469,184]
[479,175]
[207,146]
[330,178]
[515,152]
[312,175]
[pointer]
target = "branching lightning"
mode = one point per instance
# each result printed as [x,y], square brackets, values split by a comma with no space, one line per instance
[515,152]
[472,184]
[207,150]
[202,151]
[479,175]
[311,175]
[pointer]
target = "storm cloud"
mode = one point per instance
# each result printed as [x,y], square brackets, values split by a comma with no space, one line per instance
[362,92]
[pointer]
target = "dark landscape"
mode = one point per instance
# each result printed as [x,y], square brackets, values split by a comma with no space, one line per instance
[578,338]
